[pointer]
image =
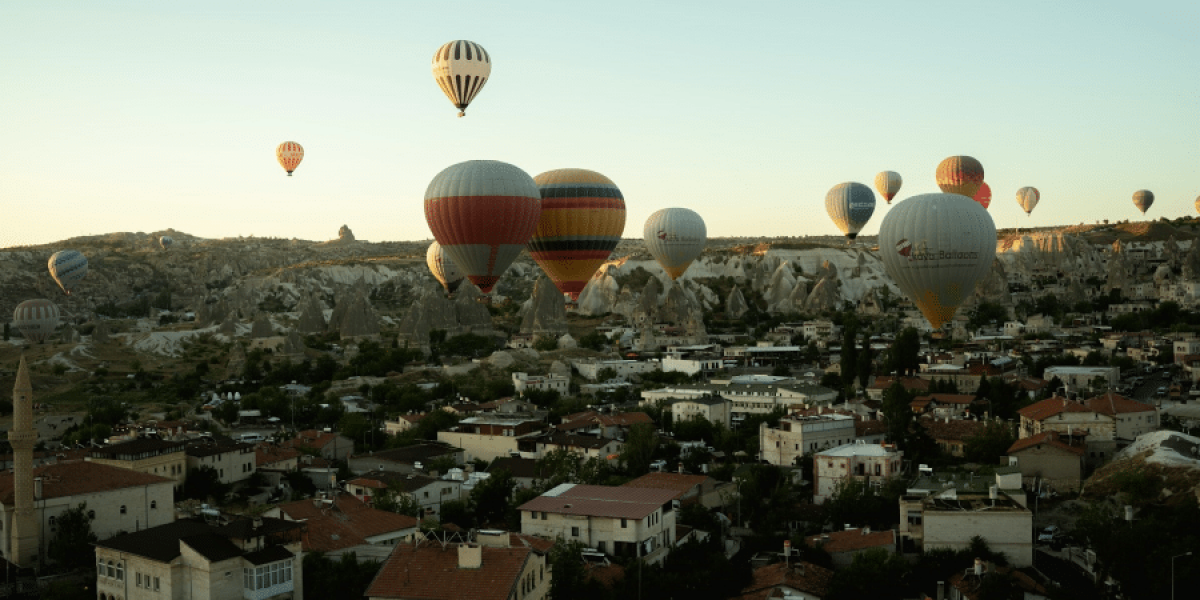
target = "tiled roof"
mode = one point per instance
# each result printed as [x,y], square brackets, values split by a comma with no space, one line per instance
[883,382]
[1049,407]
[269,554]
[311,438]
[525,468]
[593,418]
[679,483]
[157,543]
[868,428]
[345,523]
[214,448]
[410,482]
[813,580]
[1050,438]
[411,454]
[80,477]
[1115,404]
[537,544]
[136,447]
[961,399]
[853,539]
[268,455]
[602,501]
[215,548]
[568,440]
[429,572]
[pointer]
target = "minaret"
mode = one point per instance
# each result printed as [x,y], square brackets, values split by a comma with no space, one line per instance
[22,437]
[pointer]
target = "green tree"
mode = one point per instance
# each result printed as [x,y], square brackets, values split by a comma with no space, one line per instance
[866,362]
[875,573]
[639,449]
[72,544]
[849,362]
[491,500]
[594,340]
[346,577]
[987,446]
[545,344]
[904,355]
[204,483]
[569,577]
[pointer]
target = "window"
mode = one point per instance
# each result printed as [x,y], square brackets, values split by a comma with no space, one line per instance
[624,523]
[51,522]
[600,546]
[139,580]
[91,514]
[120,572]
[156,584]
[123,509]
[544,517]
[574,532]
[100,567]
[111,572]
[154,504]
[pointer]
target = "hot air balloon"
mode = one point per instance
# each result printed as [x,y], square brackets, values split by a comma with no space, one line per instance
[850,205]
[165,241]
[443,268]
[888,184]
[936,247]
[1142,199]
[583,217]
[289,154]
[67,267]
[36,319]
[1197,203]
[1028,198]
[482,212]
[984,195]
[675,237]
[960,175]
[461,68]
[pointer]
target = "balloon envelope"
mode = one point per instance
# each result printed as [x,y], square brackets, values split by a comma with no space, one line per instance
[1197,203]
[583,217]
[936,247]
[888,183]
[1027,198]
[443,267]
[1142,199]
[675,237]
[482,212]
[289,155]
[36,319]
[960,175]
[984,195]
[461,68]
[165,241]
[850,205]
[67,267]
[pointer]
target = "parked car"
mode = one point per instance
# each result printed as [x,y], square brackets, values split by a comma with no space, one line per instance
[1048,534]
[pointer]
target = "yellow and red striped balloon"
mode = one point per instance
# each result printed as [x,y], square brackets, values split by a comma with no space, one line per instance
[289,155]
[960,175]
[583,217]
[984,195]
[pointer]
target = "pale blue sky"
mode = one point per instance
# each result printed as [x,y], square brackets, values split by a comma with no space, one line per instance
[139,116]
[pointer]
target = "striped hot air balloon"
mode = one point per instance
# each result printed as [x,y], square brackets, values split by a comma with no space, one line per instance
[461,68]
[960,175]
[36,319]
[1198,204]
[67,267]
[888,183]
[850,205]
[583,217]
[165,241]
[936,247]
[1142,199]
[443,268]
[675,237]
[482,212]
[1028,198]
[289,155]
[984,195]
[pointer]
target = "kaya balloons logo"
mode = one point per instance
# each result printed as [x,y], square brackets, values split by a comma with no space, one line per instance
[670,237]
[921,252]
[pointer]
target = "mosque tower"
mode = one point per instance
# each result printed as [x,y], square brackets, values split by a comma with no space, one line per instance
[24,541]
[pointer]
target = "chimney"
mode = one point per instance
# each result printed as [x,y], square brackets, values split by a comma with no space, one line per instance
[978,567]
[470,556]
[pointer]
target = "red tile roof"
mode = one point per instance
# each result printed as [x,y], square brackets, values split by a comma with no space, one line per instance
[80,477]
[1049,407]
[1115,404]
[429,571]
[268,455]
[679,483]
[344,523]
[868,428]
[1050,438]
[813,580]
[884,382]
[852,540]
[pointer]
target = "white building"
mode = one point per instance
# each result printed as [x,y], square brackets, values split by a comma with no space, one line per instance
[786,444]
[869,463]
[693,365]
[1078,378]
[590,369]
[555,383]
[621,521]
[715,409]
[747,399]
[233,462]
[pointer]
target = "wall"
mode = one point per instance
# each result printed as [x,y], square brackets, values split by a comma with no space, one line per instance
[487,447]
[1007,531]
[1062,469]
[233,466]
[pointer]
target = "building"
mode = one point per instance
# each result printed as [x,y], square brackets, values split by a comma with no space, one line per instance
[714,409]
[233,461]
[747,399]
[490,568]
[870,463]
[943,405]
[1110,421]
[693,364]
[344,524]
[145,455]
[1057,459]
[428,492]
[790,579]
[796,435]
[689,489]
[951,519]
[328,445]
[274,458]
[586,446]
[193,559]
[402,423]
[621,521]
[603,423]
[546,383]
[490,436]
[844,545]
[951,435]
[590,369]
[1085,378]
[408,459]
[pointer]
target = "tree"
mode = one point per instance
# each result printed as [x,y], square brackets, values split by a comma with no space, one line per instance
[849,362]
[593,340]
[204,483]
[866,361]
[987,313]
[639,449]
[343,578]
[491,500]
[875,573]
[545,344]
[989,445]
[72,543]
[904,355]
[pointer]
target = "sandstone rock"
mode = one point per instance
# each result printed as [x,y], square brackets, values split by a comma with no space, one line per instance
[229,327]
[646,308]
[560,369]
[262,327]
[600,295]
[292,345]
[360,319]
[345,235]
[798,299]
[470,313]
[100,333]
[501,359]
[780,288]
[824,296]
[545,313]
[566,342]
[312,316]
[735,304]
[236,365]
